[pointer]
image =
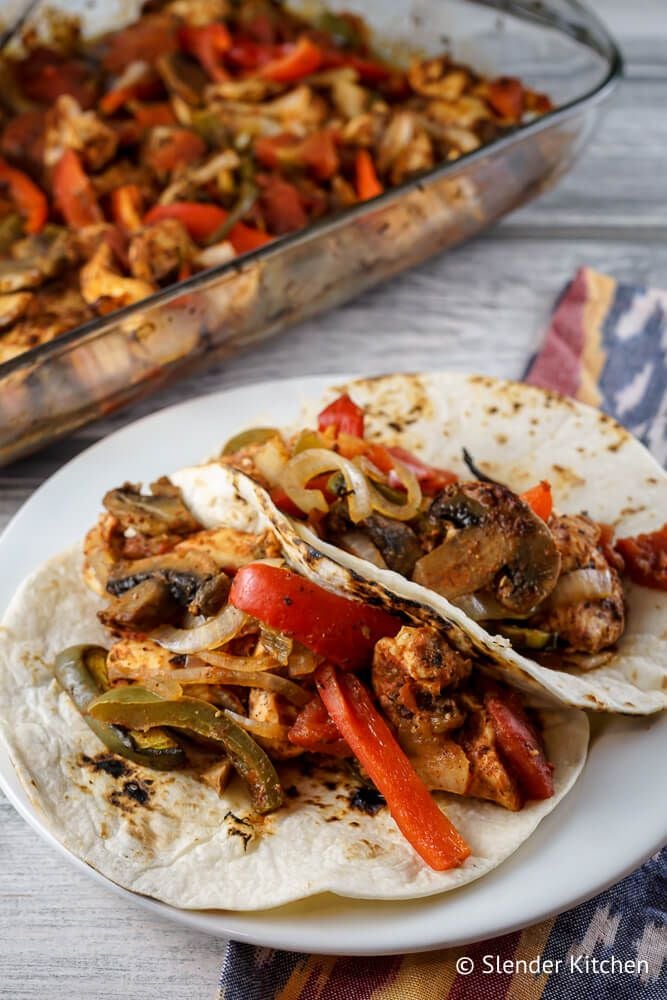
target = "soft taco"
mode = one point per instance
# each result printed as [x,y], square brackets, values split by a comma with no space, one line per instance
[534,523]
[204,725]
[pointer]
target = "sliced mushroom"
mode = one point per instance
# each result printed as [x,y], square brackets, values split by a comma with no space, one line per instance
[143,607]
[159,512]
[182,77]
[194,580]
[483,536]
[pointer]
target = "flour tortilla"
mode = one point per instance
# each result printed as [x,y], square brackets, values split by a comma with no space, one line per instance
[169,836]
[519,435]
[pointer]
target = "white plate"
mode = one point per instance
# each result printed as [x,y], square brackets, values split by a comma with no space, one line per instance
[611,821]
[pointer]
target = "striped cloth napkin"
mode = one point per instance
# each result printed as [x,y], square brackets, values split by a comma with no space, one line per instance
[607,346]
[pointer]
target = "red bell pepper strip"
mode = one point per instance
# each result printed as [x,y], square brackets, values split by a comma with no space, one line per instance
[414,810]
[203,220]
[73,192]
[315,730]
[645,558]
[539,499]
[367,182]
[250,55]
[150,115]
[344,416]
[208,44]
[519,744]
[430,477]
[369,70]
[179,147]
[298,61]
[317,152]
[142,87]
[29,199]
[45,75]
[126,207]
[343,631]
[506,97]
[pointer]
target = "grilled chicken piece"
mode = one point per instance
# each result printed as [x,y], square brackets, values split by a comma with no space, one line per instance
[133,659]
[157,251]
[231,549]
[69,127]
[103,287]
[447,734]
[482,536]
[265,706]
[13,306]
[592,625]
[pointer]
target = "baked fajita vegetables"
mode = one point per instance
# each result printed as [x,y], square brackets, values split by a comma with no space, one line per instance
[228,732]
[201,131]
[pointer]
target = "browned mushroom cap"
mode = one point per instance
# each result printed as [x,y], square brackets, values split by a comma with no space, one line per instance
[160,511]
[483,536]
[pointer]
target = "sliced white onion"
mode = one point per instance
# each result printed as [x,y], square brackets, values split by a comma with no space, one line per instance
[313,462]
[581,585]
[398,511]
[360,545]
[214,632]
[268,730]
[302,661]
[587,661]
[483,606]
[246,664]
[207,674]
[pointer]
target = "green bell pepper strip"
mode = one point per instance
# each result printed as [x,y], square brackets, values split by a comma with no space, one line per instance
[137,708]
[81,671]
[254,435]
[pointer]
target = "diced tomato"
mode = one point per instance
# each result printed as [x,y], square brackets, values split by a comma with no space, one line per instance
[608,546]
[367,182]
[208,44]
[179,147]
[203,220]
[414,810]
[520,744]
[145,41]
[73,192]
[297,61]
[344,416]
[645,558]
[539,499]
[45,75]
[343,631]
[281,204]
[505,95]
[126,207]
[29,199]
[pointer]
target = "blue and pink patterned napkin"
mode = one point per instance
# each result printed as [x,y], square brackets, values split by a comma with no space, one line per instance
[607,346]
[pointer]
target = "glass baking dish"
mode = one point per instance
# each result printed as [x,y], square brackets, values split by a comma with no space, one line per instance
[557,46]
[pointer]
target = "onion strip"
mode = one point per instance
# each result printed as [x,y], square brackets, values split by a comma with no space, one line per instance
[267,730]
[305,466]
[398,511]
[581,585]
[215,632]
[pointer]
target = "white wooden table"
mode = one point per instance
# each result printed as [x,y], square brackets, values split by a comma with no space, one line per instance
[479,307]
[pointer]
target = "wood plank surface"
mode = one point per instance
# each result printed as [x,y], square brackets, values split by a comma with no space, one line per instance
[482,306]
